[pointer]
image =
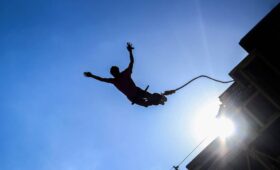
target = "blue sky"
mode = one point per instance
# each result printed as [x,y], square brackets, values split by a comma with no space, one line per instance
[53,118]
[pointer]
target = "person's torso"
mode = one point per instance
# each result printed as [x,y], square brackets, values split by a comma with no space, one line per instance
[125,84]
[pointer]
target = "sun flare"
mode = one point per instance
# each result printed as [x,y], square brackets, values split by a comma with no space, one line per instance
[225,127]
[206,123]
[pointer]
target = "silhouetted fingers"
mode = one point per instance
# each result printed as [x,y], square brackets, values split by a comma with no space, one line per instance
[87,74]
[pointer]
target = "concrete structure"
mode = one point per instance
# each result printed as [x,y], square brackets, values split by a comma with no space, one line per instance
[252,102]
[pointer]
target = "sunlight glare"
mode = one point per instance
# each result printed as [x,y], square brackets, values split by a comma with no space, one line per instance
[205,120]
[206,123]
[225,127]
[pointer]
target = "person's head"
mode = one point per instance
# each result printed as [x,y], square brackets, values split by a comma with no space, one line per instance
[115,71]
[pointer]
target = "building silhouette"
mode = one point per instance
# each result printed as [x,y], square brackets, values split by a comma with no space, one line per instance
[252,102]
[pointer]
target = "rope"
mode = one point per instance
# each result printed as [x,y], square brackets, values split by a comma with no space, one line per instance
[177,167]
[169,92]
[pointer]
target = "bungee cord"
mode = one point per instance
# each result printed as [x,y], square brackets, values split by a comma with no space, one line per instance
[169,92]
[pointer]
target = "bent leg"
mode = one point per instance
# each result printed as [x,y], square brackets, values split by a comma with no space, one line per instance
[146,99]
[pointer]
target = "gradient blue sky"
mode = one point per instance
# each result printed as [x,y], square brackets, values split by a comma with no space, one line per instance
[53,118]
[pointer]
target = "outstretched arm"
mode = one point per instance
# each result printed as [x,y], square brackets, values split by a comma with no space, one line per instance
[130,48]
[107,80]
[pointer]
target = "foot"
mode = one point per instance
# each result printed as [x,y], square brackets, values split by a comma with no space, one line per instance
[158,99]
[163,100]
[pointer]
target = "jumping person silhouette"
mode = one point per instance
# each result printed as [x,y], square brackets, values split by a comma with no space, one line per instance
[124,83]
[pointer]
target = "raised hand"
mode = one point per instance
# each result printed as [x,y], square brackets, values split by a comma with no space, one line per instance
[87,74]
[129,47]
